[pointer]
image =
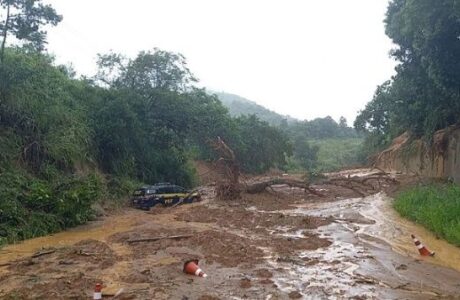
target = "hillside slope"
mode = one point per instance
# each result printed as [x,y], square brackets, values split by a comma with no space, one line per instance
[238,106]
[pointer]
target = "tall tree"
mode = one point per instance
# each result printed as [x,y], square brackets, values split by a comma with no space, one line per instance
[343,122]
[155,69]
[24,19]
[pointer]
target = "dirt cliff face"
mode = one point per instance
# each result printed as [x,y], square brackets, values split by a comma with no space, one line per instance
[437,159]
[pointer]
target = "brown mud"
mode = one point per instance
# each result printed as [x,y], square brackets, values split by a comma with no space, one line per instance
[283,244]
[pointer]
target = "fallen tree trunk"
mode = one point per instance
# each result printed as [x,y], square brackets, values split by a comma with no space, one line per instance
[41,253]
[362,185]
[260,187]
[230,187]
[153,239]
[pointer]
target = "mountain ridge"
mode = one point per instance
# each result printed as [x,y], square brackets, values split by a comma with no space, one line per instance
[238,105]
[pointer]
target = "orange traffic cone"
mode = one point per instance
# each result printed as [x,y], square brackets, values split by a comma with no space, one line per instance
[421,249]
[191,267]
[97,292]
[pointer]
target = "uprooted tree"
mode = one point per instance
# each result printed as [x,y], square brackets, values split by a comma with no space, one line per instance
[229,186]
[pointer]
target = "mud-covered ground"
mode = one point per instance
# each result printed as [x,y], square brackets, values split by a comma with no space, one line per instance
[282,244]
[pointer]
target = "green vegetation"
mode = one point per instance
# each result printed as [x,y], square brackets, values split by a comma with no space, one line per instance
[338,153]
[436,207]
[423,96]
[318,145]
[67,144]
[24,20]
[32,207]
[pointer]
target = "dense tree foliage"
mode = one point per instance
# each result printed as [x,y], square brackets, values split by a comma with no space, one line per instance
[44,138]
[167,115]
[65,143]
[24,19]
[259,146]
[424,95]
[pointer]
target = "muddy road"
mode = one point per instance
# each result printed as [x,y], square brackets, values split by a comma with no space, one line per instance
[283,244]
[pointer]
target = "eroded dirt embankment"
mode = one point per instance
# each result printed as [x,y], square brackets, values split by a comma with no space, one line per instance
[437,159]
[278,245]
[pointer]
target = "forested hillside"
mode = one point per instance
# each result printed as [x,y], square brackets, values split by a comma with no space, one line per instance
[238,106]
[321,144]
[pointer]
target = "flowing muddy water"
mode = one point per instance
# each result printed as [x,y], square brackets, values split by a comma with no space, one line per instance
[374,216]
[372,256]
[396,231]
[98,230]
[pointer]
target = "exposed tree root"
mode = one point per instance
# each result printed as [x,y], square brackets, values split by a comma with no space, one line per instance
[230,187]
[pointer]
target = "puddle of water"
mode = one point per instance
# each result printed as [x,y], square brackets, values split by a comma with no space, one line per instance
[396,231]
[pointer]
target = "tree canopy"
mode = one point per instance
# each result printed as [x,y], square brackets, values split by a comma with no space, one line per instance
[424,95]
[24,19]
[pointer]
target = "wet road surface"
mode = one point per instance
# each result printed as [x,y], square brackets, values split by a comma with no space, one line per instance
[368,255]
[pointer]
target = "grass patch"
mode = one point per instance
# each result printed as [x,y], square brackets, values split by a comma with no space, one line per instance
[436,207]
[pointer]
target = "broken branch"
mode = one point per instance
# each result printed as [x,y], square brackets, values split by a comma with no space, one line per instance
[41,253]
[153,239]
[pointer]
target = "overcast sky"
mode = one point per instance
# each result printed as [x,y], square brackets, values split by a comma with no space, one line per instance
[305,58]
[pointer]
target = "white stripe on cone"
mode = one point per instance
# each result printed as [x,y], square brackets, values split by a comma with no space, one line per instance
[200,272]
[97,296]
